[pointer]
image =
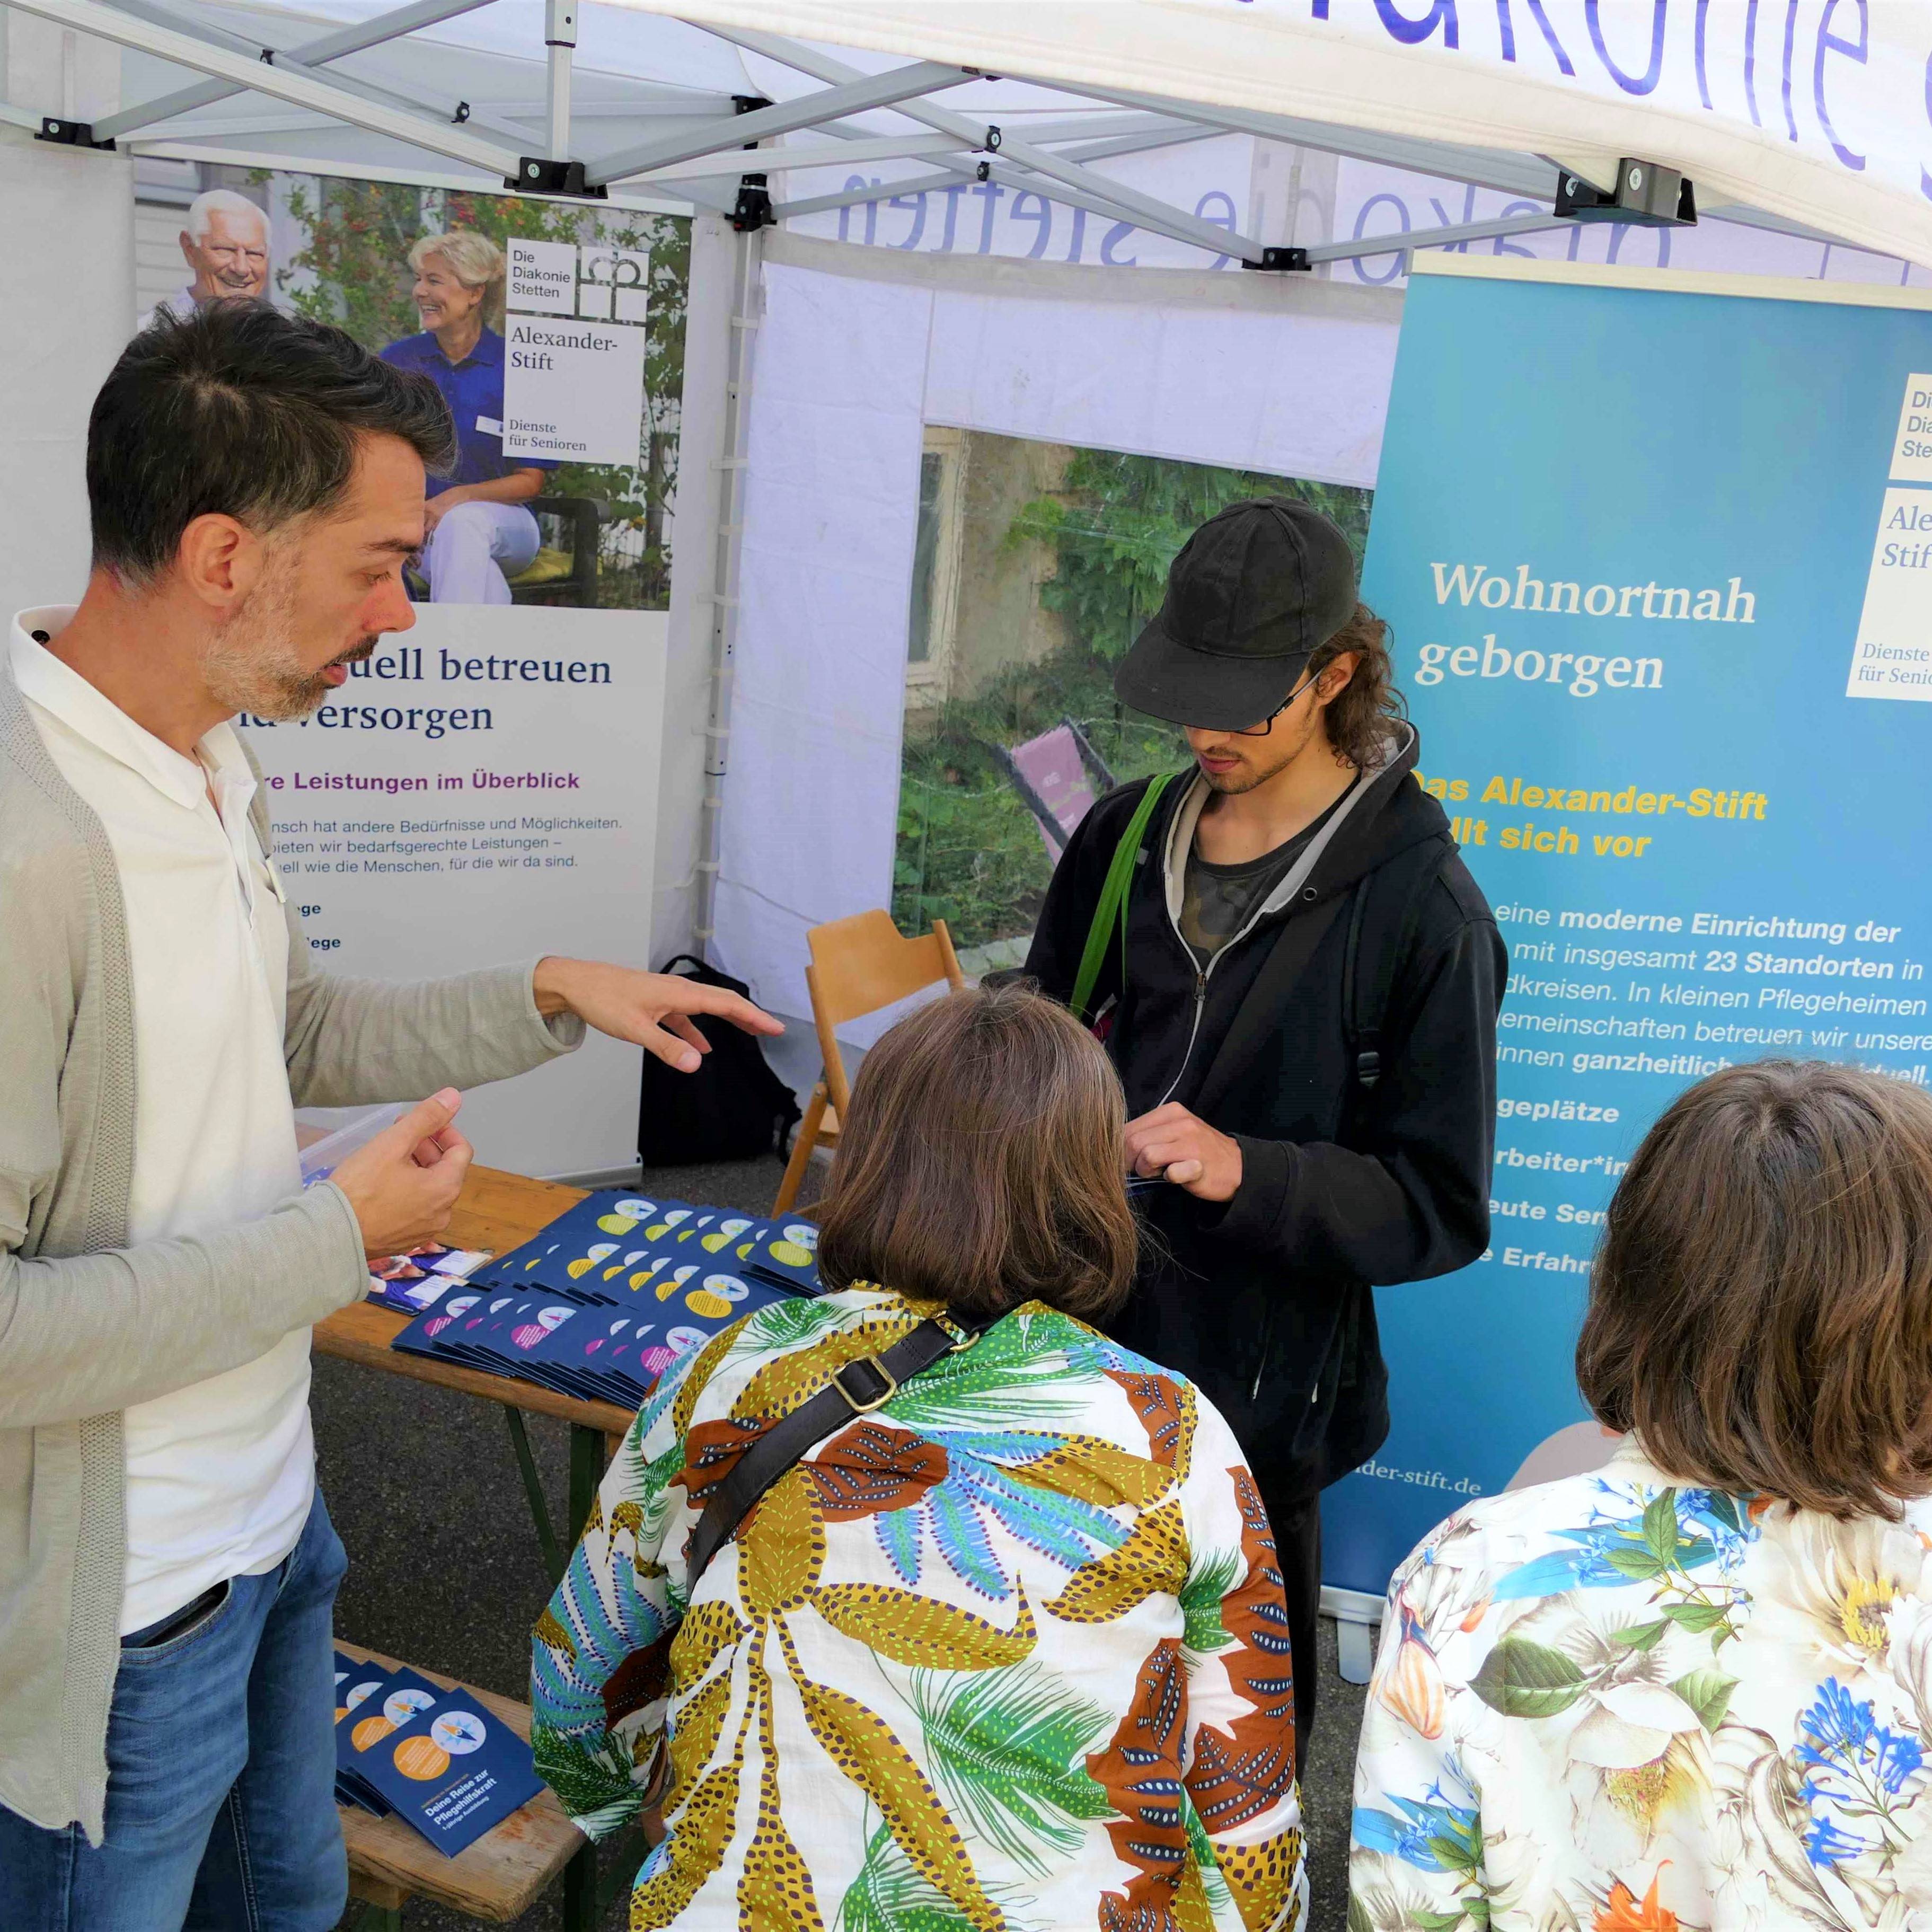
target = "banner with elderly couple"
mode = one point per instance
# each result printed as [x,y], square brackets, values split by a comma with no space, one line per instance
[1654,549]
[483,787]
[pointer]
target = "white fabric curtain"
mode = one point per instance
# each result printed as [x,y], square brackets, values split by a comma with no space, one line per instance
[1290,378]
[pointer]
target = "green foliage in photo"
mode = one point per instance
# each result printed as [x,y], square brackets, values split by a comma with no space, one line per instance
[968,851]
[1119,521]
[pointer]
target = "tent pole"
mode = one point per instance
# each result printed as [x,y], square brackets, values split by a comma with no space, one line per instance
[867,91]
[1364,245]
[559,43]
[746,312]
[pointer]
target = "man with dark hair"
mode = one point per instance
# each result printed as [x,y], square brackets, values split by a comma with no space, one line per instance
[166,1568]
[1298,981]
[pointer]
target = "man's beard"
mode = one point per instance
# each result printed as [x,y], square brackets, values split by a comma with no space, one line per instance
[253,663]
[1247,777]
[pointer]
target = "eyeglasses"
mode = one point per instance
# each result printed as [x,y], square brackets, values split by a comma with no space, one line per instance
[1267,724]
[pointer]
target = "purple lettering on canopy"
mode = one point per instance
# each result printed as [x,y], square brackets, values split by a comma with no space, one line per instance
[1631,83]
[1703,80]
[1040,214]
[1409,31]
[1784,84]
[916,202]
[1858,50]
[1221,217]
[1564,64]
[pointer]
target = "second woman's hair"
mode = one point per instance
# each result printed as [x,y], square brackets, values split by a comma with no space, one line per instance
[474,260]
[1761,1309]
[980,1164]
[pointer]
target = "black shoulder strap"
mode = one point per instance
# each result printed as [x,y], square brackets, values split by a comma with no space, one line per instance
[1367,987]
[856,1388]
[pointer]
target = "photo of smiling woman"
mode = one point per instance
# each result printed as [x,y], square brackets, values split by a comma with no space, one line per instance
[479,533]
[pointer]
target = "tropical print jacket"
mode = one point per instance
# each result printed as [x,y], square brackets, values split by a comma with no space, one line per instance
[1620,1704]
[1010,1651]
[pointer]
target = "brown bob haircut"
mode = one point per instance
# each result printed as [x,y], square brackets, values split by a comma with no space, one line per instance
[1761,1308]
[980,1164]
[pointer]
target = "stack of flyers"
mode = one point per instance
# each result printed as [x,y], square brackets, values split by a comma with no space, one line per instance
[371,1700]
[437,1759]
[411,1282]
[610,1245]
[595,1354]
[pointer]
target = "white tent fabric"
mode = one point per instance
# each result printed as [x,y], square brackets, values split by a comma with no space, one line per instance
[1166,379]
[831,512]
[59,334]
[1290,377]
[1816,110]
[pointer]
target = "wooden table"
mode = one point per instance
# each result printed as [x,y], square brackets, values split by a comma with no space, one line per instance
[500,1211]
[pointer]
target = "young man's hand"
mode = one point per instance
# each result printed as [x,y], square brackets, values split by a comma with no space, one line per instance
[1190,1153]
[403,1184]
[653,1009]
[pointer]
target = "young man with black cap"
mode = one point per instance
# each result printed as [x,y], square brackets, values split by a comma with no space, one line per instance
[1298,981]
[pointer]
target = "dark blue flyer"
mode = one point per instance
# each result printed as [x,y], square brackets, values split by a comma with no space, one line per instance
[453,1771]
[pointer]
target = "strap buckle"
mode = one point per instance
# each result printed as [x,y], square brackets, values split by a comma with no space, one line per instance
[888,1384]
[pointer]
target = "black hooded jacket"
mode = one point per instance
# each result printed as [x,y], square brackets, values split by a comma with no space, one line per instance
[1263,1300]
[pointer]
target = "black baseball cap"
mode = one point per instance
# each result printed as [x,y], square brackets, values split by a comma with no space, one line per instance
[1255,591]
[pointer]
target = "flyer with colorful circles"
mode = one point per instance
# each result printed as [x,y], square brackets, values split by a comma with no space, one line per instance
[453,1771]
[611,1243]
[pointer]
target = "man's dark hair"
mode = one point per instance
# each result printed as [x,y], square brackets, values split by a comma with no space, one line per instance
[1358,721]
[238,410]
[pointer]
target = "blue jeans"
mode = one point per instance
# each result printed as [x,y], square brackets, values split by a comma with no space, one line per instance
[221,1775]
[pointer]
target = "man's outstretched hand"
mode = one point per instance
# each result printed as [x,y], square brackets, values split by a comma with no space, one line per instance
[653,1009]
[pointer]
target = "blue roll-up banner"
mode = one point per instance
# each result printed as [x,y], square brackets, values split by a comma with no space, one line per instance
[1656,549]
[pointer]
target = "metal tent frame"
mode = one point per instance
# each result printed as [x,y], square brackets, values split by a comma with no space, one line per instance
[550,147]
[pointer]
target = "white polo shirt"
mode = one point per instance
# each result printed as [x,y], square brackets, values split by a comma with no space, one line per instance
[220,1475]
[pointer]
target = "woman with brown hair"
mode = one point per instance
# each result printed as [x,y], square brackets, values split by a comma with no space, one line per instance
[933,1606]
[1694,1687]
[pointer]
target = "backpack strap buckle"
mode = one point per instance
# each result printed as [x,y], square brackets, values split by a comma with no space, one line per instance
[876,1385]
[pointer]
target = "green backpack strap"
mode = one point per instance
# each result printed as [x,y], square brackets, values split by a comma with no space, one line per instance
[1113,903]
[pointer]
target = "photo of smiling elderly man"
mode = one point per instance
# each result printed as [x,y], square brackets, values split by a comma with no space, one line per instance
[224,240]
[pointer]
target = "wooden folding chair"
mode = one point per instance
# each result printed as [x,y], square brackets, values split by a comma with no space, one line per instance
[858,965]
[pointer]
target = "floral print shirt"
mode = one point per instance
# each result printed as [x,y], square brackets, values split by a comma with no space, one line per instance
[1010,1651]
[1617,1703]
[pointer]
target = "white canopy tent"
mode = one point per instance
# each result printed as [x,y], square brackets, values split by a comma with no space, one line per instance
[1803,124]
[1803,118]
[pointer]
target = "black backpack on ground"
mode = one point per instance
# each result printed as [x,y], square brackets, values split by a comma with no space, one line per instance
[734,1108]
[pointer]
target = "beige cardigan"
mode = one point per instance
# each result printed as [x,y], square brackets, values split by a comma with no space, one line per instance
[89,1324]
